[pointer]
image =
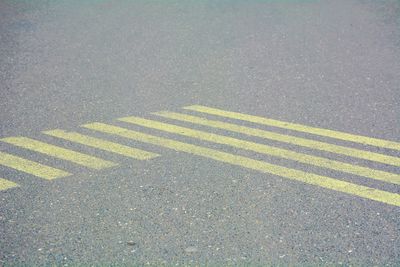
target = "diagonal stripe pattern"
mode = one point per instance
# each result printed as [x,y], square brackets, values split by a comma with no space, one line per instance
[102,144]
[339,185]
[269,150]
[298,127]
[317,145]
[297,175]
[59,152]
[31,167]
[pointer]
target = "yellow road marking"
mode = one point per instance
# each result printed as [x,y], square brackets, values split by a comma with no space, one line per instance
[268,150]
[31,167]
[102,144]
[59,152]
[6,184]
[309,178]
[298,127]
[352,152]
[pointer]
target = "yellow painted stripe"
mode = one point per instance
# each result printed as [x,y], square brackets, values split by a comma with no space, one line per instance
[31,167]
[298,127]
[59,152]
[309,178]
[6,184]
[102,144]
[268,150]
[352,152]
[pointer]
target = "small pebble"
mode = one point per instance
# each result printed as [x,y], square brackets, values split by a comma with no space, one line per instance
[131,243]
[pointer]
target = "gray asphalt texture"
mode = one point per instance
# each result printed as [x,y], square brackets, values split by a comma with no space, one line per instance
[331,64]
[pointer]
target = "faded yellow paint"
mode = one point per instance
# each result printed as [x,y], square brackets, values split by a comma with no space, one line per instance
[102,144]
[297,175]
[348,151]
[31,167]
[6,184]
[268,150]
[298,127]
[59,152]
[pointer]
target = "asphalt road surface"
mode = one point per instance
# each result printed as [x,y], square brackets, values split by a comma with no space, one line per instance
[195,132]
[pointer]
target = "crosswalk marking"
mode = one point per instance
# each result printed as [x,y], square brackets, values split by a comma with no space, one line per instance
[268,150]
[47,172]
[309,178]
[102,144]
[352,152]
[59,152]
[298,127]
[31,167]
[6,184]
